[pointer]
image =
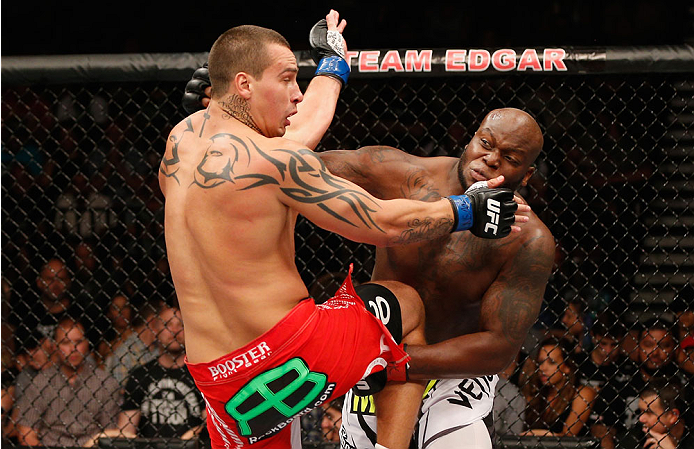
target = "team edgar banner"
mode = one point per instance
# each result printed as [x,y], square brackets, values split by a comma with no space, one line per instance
[427,61]
[538,60]
[364,63]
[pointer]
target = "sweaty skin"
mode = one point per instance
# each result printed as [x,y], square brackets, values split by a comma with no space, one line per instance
[481,296]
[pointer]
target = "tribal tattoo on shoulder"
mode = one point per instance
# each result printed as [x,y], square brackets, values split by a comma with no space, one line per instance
[169,166]
[227,153]
[230,160]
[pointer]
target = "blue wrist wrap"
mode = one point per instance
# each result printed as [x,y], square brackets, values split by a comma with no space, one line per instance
[462,211]
[334,66]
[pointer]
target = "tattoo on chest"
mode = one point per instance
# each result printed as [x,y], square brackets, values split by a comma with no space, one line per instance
[442,263]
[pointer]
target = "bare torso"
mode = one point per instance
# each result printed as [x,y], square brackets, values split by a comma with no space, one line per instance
[467,283]
[231,251]
[452,274]
[232,199]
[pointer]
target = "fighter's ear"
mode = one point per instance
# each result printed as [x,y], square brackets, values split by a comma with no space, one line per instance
[464,150]
[528,175]
[242,83]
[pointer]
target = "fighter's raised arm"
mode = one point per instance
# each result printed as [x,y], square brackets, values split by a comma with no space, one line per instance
[316,111]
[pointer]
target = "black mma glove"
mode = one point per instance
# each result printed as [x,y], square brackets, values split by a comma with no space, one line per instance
[195,90]
[487,213]
[328,52]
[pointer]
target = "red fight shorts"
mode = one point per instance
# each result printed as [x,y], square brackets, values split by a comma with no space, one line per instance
[314,354]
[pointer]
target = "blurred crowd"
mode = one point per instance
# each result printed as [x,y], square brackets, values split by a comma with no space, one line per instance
[92,340]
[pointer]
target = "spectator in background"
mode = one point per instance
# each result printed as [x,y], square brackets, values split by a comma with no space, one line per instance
[681,306]
[630,344]
[119,314]
[557,405]
[661,407]
[6,328]
[656,349]
[684,313]
[68,403]
[9,347]
[509,403]
[576,323]
[331,422]
[600,369]
[161,400]
[685,357]
[32,355]
[43,307]
[90,276]
[139,347]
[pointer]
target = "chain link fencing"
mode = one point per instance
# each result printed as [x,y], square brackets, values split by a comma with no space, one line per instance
[82,237]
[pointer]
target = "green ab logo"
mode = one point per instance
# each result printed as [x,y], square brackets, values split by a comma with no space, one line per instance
[275,395]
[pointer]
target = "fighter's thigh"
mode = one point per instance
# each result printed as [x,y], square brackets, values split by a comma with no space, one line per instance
[397,305]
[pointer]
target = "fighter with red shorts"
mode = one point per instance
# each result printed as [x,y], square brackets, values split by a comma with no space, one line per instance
[255,392]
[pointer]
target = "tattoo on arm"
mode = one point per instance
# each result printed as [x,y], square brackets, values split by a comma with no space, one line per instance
[379,154]
[417,186]
[516,303]
[218,165]
[168,167]
[346,167]
[424,229]
[364,166]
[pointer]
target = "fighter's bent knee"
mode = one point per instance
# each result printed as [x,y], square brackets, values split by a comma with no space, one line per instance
[383,304]
[411,306]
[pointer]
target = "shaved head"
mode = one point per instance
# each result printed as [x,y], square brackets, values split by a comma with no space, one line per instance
[506,143]
[522,124]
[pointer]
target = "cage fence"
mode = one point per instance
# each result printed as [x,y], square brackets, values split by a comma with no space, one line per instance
[82,228]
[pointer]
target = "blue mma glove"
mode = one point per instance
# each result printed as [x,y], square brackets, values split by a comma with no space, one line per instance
[328,52]
[487,213]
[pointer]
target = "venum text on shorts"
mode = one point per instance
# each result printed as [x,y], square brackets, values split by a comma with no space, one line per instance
[471,390]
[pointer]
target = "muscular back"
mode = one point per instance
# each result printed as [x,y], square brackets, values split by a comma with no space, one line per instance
[232,198]
[469,285]
[230,247]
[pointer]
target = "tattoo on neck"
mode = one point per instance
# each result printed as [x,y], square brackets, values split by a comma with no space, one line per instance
[238,108]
